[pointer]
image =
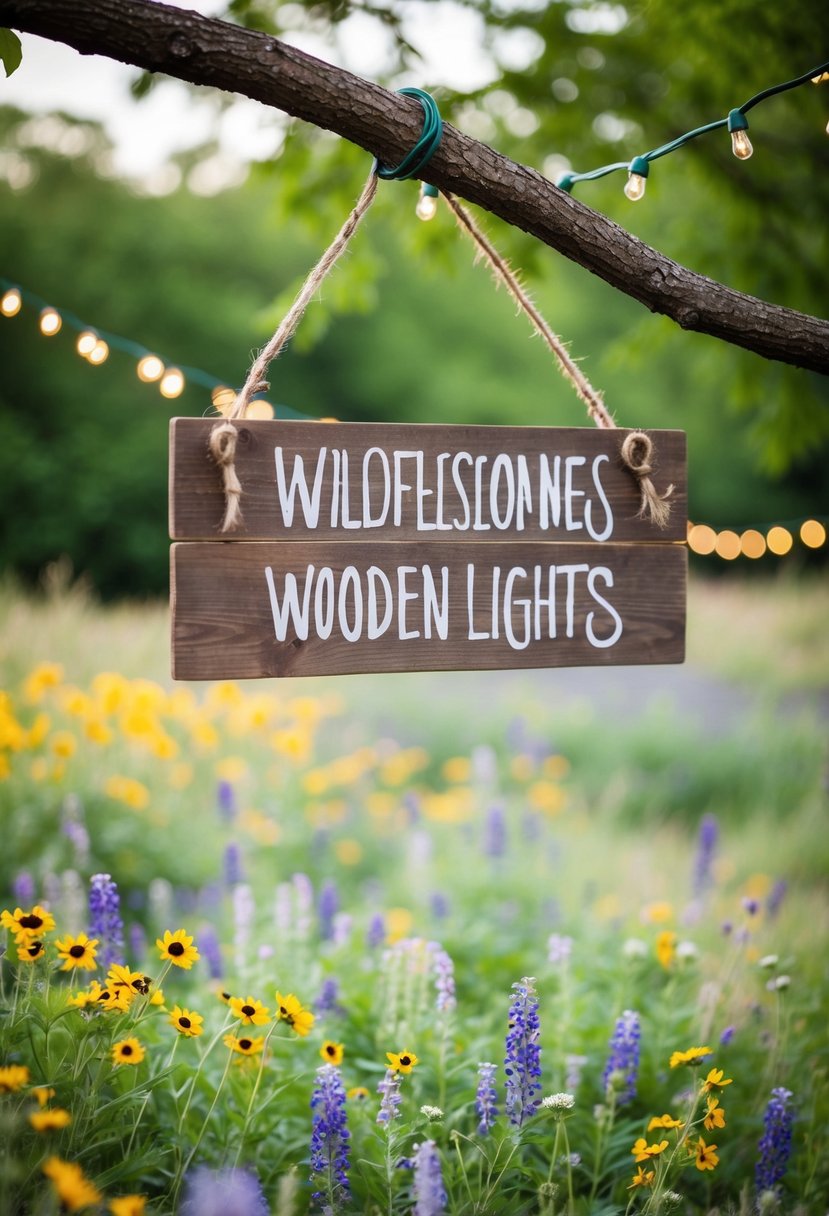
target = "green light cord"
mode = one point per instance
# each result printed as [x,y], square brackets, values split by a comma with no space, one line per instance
[568,180]
[425,148]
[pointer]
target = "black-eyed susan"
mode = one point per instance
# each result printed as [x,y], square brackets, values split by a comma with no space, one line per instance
[245,1045]
[186,1021]
[249,1011]
[716,1079]
[73,1188]
[178,949]
[132,982]
[693,1056]
[224,997]
[332,1052]
[358,1093]
[128,1205]
[127,1051]
[705,1155]
[114,1000]
[29,949]
[13,1077]
[33,923]
[403,1061]
[50,1120]
[714,1116]
[77,951]
[289,1009]
[42,1094]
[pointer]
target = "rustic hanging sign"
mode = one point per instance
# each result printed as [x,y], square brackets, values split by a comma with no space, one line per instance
[373,547]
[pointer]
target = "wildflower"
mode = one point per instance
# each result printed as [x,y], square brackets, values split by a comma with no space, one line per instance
[642,1151]
[495,833]
[559,949]
[776,897]
[389,1090]
[50,1120]
[427,1184]
[715,1080]
[128,1205]
[642,1177]
[703,861]
[693,1056]
[27,924]
[433,1113]
[401,1062]
[727,1035]
[657,913]
[29,949]
[211,951]
[105,922]
[705,1155]
[750,906]
[522,1063]
[245,1046]
[233,1192]
[376,931]
[574,1064]
[127,982]
[776,1143]
[715,1115]
[23,887]
[623,1059]
[666,1121]
[226,800]
[357,1093]
[233,871]
[665,947]
[329,902]
[329,1140]
[558,1102]
[444,972]
[768,962]
[634,947]
[687,952]
[250,1012]
[779,983]
[178,949]
[290,1010]
[127,1051]
[332,1053]
[73,1188]
[186,1022]
[327,1002]
[42,1094]
[486,1104]
[13,1077]
[112,999]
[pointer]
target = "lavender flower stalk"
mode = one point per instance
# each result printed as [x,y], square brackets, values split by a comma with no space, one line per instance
[329,902]
[709,831]
[211,951]
[105,919]
[233,871]
[233,1192]
[776,1143]
[486,1099]
[226,800]
[522,1063]
[427,1185]
[376,931]
[444,974]
[389,1089]
[330,1141]
[623,1059]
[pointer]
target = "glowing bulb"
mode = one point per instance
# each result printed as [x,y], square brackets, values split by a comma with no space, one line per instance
[260,409]
[427,206]
[172,383]
[702,539]
[779,541]
[86,343]
[827,128]
[11,303]
[752,543]
[740,142]
[50,322]
[728,545]
[150,368]
[222,398]
[813,533]
[636,182]
[99,353]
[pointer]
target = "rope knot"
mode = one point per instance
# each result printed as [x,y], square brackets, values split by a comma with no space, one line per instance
[636,453]
[222,445]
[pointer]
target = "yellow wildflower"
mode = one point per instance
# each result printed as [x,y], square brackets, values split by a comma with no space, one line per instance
[403,1061]
[50,1120]
[73,1188]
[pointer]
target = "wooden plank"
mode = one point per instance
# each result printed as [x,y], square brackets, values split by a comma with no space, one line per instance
[421,607]
[420,482]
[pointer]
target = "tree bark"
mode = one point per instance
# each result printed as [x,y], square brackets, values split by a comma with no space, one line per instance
[204,51]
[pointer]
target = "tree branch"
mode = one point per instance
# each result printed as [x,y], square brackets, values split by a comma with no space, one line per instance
[209,52]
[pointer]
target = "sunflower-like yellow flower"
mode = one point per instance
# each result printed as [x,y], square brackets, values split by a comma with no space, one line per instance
[705,1155]
[715,1115]
[642,1151]
[187,1022]
[289,1009]
[28,924]
[13,1077]
[73,1188]
[665,947]
[128,1205]
[715,1080]
[50,1120]
[642,1177]
[127,1051]
[693,1056]
[666,1121]
[249,1011]
[358,1093]
[42,1094]
[77,951]
[403,1061]
[178,949]
[332,1053]
[131,983]
[244,1045]
[29,949]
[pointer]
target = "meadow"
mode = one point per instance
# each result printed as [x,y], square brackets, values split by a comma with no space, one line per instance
[417,944]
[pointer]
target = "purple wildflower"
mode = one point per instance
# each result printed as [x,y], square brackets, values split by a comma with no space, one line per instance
[329,902]
[574,1064]
[440,905]
[329,1141]
[376,931]
[709,830]
[623,1060]
[226,800]
[522,1063]
[233,1192]
[138,939]
[105,919]
[495,832]
[776,1143]
[211,951]
[341,928]
[750,906]
[776,897]
[78,836]
[327,1003]
[444,972]
[389,1089]
[23,888]
[427,1185]
[486,1099]
[727,1035]
[559,949]
[233,865]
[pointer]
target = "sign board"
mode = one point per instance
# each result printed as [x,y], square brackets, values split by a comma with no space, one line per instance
[373,547]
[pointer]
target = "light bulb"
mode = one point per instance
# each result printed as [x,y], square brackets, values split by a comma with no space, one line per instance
[99,353]
[50,322]
[149,368]
[11,302]
[637,175]
[222,398]
[172,383]
[260,409]
[86,343]
[827,128]
[427,205]
[740,142]
[741,145]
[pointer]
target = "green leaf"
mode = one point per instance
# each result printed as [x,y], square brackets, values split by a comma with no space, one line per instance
[11,51]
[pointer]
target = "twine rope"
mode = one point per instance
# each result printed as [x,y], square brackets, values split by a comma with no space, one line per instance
[636,451]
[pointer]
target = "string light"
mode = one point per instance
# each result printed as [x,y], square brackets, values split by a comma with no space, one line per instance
[427,206]
[11,303]
[752,543]
[813,533]
[779,540]
[736,122]
[50,322]
[86,343]
[222,398]
[172,383]
[99,353]
[728,544]
[150,368]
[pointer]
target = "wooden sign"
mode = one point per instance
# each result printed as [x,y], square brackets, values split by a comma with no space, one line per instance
[367,547]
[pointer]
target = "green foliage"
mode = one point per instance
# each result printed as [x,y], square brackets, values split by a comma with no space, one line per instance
[11,51]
